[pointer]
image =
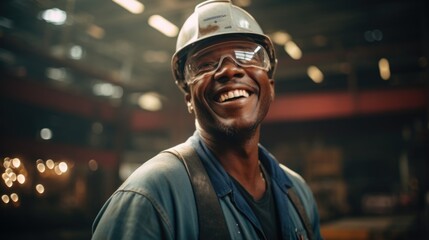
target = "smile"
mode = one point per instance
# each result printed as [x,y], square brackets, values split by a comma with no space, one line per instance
[233,94]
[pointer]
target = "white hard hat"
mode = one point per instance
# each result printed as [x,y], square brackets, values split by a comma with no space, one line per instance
[213,20]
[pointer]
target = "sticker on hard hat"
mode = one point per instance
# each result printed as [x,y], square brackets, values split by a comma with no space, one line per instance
[213,20]
[214,17]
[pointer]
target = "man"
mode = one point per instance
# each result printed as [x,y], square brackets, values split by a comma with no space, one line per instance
[224,64]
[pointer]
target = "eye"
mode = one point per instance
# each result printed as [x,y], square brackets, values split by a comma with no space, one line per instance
[205,67]
[253,61]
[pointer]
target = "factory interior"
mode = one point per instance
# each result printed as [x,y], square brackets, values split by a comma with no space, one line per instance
[87,95]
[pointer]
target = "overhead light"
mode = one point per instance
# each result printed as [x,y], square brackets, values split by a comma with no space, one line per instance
[55,16]
[46,133]
[57,74]
[315,74]
[284,39]
[384,68]
[133,6]
[76,52]
[95,31]
[163,25]
[281,38]
[150,101]
[293,50]
[107,90]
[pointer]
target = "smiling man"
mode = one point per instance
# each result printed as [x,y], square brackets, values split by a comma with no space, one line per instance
[221,183]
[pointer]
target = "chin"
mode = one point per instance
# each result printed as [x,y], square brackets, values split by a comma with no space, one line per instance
[242,130]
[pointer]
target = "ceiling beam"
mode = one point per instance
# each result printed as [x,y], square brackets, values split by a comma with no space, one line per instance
[325,105]
[37,94]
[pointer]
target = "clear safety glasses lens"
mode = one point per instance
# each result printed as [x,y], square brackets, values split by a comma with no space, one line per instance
[209,59]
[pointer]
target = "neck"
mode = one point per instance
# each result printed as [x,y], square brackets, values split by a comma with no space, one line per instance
[233,149]
[239,156]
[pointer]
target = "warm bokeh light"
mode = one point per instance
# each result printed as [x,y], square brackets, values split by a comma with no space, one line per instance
[12,176]
[14,197]
[57,170]
[150,101]
[315,74]
[40,188]
[281,38]
[50,164]
[95,31]
[384,68]
[21,178]
[6,163]
[9,183]
[93,165]
[16,162]
[5,198]
[41,167]
[293,50]
[133,6]
[63,167]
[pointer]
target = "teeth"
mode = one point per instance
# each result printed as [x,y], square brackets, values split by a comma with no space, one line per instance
[233,94]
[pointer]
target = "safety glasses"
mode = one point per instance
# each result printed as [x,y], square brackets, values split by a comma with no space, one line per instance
[208,60]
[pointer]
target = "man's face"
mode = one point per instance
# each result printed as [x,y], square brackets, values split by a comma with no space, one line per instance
[230,90]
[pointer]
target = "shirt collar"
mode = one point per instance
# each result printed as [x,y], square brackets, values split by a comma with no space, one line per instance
[222,184]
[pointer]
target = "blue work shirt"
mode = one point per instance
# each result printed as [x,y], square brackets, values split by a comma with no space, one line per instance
[157,201]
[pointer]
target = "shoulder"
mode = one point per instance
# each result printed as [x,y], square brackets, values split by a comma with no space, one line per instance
[161,173]
[152,195]
[295,177]
[299,183]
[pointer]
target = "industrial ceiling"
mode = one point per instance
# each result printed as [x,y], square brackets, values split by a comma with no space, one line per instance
[345,40]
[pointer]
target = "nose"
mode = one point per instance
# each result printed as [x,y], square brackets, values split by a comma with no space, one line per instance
[228,69]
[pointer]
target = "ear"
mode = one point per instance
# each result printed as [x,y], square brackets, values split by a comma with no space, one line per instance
[273,92]
[189,103]
[188,97]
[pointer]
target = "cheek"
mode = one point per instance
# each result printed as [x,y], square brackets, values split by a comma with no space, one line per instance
[198,94]
[263,81]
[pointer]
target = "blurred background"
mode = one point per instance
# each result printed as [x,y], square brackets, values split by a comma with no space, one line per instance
[87,95]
